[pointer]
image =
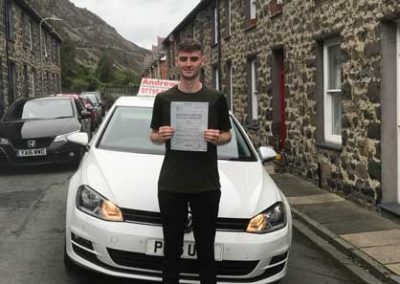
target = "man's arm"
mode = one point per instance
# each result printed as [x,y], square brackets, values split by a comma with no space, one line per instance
[161,135]
[217,137]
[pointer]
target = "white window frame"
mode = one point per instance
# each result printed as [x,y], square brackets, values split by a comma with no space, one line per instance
[254,98]
[216,76]
[230,87]
[398,106]
[216,25]
[253,9]
[329,136]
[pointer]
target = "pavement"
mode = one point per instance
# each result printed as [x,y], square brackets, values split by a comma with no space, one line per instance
[367,243]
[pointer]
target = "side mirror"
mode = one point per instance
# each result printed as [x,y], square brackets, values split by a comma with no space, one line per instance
[80,138]
[266,153]
[85,114]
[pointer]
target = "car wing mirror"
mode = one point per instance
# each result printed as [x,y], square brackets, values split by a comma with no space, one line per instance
[80,138]
[266,153]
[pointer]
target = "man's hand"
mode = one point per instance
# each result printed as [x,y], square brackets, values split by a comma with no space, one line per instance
[217,137]
[161,135]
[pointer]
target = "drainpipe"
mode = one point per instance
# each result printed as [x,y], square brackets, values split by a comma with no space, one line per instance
[7,25]
[219,46]
[282,101]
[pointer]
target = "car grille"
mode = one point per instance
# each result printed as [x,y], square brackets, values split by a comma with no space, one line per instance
[138,260]
[40,142]
[154,218]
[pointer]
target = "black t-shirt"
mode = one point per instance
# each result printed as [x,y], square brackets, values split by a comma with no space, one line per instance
[189,171]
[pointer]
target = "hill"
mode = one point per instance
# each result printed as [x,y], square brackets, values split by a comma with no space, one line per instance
[91,35]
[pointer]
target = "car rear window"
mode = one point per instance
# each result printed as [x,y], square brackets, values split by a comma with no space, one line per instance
[128,130]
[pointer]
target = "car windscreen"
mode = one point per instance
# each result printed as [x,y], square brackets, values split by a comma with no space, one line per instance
[40,109]
[92,98]
[128,130]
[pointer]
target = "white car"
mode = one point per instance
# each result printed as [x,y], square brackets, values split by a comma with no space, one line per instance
[113,222]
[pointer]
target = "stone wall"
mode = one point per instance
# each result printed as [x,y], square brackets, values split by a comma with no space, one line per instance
[299,29]
[26,59]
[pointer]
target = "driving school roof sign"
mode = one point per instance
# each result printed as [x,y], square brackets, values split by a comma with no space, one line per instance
[151,86]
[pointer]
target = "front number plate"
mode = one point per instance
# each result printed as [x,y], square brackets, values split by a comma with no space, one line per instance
[32,152]
[156,247]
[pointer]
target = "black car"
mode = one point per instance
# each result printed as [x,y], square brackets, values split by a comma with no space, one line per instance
[34,132]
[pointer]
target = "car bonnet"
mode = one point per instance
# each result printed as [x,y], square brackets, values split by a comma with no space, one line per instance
[130,180]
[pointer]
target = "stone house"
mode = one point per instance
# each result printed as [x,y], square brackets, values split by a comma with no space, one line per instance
[155,61]
[318,80]
[25,72]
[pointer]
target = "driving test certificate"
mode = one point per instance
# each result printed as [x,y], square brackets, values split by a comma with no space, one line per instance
[190,120]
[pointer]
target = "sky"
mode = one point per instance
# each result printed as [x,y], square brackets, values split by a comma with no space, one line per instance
[140,21]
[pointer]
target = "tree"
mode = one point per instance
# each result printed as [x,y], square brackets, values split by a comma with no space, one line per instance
[105,68]
[68,64]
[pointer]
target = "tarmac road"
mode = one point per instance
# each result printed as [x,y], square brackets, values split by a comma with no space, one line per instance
[32,221]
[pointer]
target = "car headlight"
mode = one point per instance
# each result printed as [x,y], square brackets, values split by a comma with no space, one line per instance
[4,141]
[272,219]
[93,203]
[63,137]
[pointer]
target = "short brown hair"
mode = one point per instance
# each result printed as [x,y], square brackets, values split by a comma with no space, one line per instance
[190,44]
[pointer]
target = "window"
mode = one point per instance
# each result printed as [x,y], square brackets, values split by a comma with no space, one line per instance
[116,138]
[10,21]
[30,37]
[252,89]
[216,77]
[216,26]
[253,9]
[275,7]
[332,92]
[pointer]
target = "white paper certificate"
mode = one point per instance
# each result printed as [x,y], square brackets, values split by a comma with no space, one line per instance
[189,119]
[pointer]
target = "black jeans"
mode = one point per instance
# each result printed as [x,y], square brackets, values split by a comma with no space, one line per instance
[174,209]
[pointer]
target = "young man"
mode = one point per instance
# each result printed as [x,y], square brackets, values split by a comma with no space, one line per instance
[189,178]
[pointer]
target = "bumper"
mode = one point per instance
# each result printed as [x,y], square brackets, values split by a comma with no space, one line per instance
[118,249]
[58,154]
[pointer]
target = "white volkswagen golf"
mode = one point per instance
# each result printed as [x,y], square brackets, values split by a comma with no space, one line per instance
[113,222]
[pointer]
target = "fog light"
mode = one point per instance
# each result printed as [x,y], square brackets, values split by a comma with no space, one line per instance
[71,154]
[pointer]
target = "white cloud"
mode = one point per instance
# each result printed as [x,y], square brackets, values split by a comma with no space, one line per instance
[140,21]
